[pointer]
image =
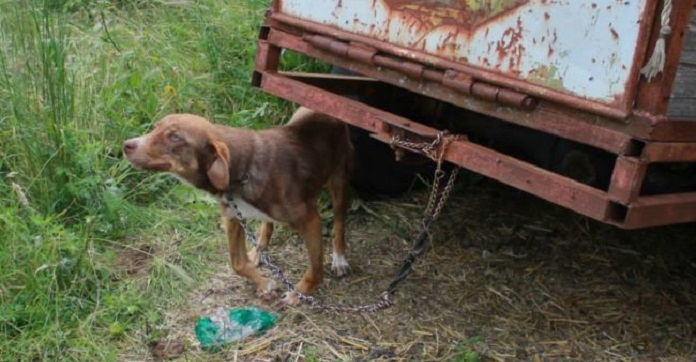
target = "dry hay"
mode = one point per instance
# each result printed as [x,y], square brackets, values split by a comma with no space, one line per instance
[510,278]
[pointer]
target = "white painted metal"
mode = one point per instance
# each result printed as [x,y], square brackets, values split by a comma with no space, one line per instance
[584,48]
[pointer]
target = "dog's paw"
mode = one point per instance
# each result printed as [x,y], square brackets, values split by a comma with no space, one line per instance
[267,290]
[289,299]
[254,257]
[339,265]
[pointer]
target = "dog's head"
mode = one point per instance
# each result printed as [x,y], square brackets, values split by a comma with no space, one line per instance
[186,146]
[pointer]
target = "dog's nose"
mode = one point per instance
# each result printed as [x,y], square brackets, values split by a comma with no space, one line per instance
[130,145]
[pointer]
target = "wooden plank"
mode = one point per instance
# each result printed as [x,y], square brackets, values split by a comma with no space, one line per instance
[682,102]
[685,84]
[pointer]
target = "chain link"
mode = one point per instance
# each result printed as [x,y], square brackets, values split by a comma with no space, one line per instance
[314,303]
[435,150]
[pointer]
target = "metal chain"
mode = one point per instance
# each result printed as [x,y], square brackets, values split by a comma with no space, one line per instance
[434,150]
[436,201]
[312,302]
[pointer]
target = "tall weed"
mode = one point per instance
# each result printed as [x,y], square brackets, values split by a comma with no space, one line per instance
[78,77]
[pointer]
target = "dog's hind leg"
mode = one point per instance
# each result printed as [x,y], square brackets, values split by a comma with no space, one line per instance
[264,238]
[309,228]
[339,190]
[236,239]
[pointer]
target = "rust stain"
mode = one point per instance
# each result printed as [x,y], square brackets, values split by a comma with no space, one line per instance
[614,34]
[460,18]
[547,16]
[460,13]
[510,45]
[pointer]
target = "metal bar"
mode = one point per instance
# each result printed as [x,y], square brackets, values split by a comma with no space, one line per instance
[669,152]
[450,78]
[659,210]
[324,101]
[267,57]
[547,185]
[549,118]
[674,131]
[339,84]
[538,91]
[544,184]
[627,179]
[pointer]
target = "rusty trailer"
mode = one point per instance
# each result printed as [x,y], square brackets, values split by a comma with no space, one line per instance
[590,105]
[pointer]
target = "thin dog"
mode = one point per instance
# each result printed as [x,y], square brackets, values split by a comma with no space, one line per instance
[274,175]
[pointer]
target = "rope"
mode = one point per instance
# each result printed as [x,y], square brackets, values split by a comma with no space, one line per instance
[656,63]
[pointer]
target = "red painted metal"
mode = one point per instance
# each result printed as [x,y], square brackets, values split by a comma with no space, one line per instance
[459,82]
[524,176]
[439,63]
[547,185]
[548,117]
[644,211]
[638,137]
[627,179]
[669,152]
[658,210]
[338,84]
[652,96]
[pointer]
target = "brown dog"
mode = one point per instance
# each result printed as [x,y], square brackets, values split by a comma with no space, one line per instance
[274,175]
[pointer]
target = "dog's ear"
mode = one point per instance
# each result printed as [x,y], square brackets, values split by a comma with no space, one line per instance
[219,171]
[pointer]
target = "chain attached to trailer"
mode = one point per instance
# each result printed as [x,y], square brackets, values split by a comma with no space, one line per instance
[435,150]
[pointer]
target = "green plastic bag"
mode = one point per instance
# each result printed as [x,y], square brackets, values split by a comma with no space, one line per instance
[230,325]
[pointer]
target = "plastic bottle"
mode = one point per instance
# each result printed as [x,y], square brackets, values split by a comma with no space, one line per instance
[224,326]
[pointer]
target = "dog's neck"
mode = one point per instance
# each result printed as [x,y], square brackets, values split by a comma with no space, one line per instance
[234,204]
[235,185]
[240,157]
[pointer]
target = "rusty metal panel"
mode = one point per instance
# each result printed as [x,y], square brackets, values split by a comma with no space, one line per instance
[569,124]
[552,187]
[587,49]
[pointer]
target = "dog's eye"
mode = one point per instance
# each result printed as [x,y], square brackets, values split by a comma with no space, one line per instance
[174,137]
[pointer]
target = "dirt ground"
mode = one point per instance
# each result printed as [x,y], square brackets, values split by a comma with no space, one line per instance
[510,278]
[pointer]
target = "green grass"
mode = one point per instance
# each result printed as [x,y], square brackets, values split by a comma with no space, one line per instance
[76,79]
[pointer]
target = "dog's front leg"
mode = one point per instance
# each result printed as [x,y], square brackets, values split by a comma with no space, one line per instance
[309,229]
[264,237]
[236,239]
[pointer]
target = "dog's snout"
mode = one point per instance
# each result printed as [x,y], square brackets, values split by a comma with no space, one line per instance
[130,145]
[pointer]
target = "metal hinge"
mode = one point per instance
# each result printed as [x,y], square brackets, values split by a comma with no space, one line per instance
[455,80]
